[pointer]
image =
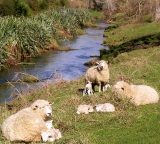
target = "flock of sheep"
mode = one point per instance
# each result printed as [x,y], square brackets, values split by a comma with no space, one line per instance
[32,124]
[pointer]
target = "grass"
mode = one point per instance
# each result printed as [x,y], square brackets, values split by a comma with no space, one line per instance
[128,124]
[129,32]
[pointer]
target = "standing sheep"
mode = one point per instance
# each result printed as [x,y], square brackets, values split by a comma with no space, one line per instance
[27,124]
[98,75]
[106,107]
[88,89]
[138,94]
[86,109]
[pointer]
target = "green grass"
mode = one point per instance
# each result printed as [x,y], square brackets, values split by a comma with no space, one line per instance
[129,32]
[128,124]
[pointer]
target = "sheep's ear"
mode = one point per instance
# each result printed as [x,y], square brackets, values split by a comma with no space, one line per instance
[107,62]
[97,63]
[50,103]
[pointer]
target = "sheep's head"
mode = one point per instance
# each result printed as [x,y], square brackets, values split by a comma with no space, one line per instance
[47,136]
[101,65]
[49,124]
[42,108]
[90,108]
[122,88]
[99,107]
[51,135]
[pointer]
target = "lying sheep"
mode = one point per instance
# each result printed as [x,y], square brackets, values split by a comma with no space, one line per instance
[27,124]
[88,89]
[51,135]
[138,94]
[98,75]
[106,107]
[86,109]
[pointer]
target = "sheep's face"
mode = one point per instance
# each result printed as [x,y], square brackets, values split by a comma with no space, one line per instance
[99,107]
[47,136]
[42,107]
[101,65]
[49,124]
[90,109]
[121,87]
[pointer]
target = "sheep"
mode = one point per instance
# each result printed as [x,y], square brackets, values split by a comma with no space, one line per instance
[86,109]
[138,94]
[51,135]
[106,107]
[27,124]
[88,89]
[98,75]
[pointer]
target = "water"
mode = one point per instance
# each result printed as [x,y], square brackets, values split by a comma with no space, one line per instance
[68,64]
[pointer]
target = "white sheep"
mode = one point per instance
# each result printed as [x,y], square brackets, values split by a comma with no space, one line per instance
[86,109]
[138,94]
[27,124]
[106,107]
[98,75]
[88,89]
[51,135]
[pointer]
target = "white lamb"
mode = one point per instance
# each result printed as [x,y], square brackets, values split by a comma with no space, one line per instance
[88,89]
[51,135]
[138,94]
[106,107]
[98,75]
[27,124]
[86,109]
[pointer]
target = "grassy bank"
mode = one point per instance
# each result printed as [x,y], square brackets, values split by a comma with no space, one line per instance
[128,124]
[129,37]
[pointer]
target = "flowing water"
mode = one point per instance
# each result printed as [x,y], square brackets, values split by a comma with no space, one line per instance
[67,64]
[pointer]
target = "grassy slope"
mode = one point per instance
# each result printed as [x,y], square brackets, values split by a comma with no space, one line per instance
[128,32]
[129,124]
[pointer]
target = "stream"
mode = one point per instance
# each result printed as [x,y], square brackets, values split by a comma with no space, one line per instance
[67,64]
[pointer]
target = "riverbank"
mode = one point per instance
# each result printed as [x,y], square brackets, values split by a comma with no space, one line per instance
[128,124]
[126,38]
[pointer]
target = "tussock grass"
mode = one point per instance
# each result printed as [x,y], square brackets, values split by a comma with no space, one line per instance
[128,124]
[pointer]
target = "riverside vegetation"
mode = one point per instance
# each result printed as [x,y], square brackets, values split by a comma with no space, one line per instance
[28,37]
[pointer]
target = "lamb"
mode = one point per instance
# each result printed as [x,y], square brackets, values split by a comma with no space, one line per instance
[88,89]
[27,124]
[106,107]
[51,135]
[98,75]
[86,109]
[138,94]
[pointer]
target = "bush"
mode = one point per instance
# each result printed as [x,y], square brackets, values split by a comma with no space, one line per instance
[7,7]
[22,8]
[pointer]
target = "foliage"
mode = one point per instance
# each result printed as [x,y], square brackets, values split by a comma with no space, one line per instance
[24,37]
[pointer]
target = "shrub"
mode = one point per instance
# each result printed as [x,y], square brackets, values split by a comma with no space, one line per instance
[7,7]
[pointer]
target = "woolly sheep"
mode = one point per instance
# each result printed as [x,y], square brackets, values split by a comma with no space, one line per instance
[106,107]
[138,94]
[86,109]
[88,89]
[51,135]
[98,75]
[27,124]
